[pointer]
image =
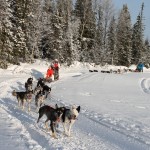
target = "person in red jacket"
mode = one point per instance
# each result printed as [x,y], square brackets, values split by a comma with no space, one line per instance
[50,74]
[56,69]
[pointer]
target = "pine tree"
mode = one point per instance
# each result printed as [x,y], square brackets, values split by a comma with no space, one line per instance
[103,13]
[84,10]
[137,38]
[79,8]
[124,35]
[6,37]
[47,40]
[19,15]
[111,52]
[58,23]
[146,53]
[65,8]
[99,36]
[33,27]
[107,8]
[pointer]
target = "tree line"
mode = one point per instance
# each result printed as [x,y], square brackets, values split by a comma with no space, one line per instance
[81,30]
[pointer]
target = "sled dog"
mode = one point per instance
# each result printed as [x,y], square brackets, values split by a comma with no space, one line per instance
[29,84]
[52,114]
[23,97]
[68,118]
[39,99]
[41,85]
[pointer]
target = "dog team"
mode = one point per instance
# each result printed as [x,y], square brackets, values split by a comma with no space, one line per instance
[41,92]
[54,114]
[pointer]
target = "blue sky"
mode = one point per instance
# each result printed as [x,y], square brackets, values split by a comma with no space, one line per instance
[134,9]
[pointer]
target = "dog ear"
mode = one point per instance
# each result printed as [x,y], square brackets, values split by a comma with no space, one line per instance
[78,108]
[56,106]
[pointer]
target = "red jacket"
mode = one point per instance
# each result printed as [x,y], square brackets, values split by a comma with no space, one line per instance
[49,73]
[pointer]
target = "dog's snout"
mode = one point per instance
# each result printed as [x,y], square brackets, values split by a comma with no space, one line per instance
[59,113]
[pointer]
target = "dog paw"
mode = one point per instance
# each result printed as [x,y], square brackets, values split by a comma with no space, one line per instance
[54,136]
[69,135]
[66,134]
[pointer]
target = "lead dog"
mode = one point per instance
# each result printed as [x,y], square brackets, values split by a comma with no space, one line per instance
[23,97]
[52,114]
[68,118]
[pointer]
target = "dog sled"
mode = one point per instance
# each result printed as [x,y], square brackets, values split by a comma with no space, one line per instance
[49,80]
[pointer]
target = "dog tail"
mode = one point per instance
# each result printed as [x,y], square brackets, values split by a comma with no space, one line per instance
[14,93]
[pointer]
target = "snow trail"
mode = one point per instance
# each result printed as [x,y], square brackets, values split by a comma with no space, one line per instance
[94,129]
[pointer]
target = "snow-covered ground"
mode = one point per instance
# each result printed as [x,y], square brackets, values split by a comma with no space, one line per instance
[115,109]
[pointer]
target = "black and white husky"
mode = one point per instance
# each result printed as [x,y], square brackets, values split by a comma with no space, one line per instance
[23,97]
[53,115]
[29,84]
[42,86]
[68,118]
[39,100]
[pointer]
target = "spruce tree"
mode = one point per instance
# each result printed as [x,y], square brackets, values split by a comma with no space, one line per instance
[124,35]
[84,11]
[19,16]
[138,38]
[111,52]
[65,8]
[6,37]
[146,53]
[47,39]
[99,36]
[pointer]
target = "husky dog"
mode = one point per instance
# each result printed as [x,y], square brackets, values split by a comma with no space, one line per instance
[37,90]
[41,82]
[23,97]
[46,90]
[29,84]
[42,86]
[68,118]
[93,70]
[53,115]
[39,99]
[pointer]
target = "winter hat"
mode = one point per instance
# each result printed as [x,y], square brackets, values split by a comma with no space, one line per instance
[56,60]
